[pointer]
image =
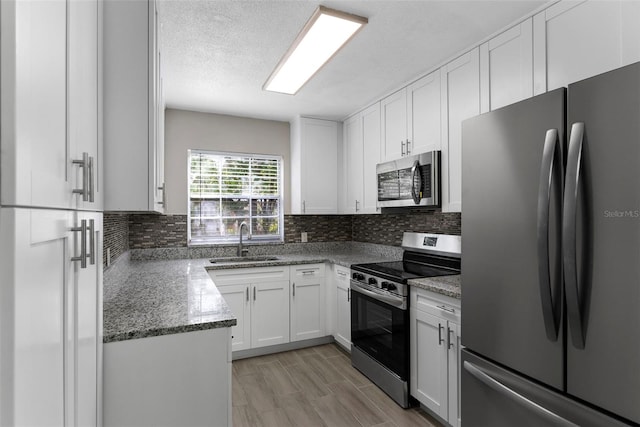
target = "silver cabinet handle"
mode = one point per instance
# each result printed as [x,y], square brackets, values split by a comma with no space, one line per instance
[304,206]
[84,164]
[357,209]
[348,294]
[549,174]
[308,272]
[445,308]
[83,243]
[449,343]
[342,273]
[294,289]
[402,148]
[254,293]
[91,181]
[247,289]
[440,328]
[497,386]
[408,151]
[92,242]
[164,197]
[569,249]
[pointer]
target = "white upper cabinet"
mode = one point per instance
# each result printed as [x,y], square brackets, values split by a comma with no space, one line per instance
[423,114]
[314,166]
[371,157]
[393,110]
[460,101]
[361,156]
[134,108]
[576,40]
[50,95]
[506,67]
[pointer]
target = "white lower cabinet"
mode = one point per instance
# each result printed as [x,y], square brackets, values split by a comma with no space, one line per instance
[51,324]
[307,301]
[259,299]
[343,306]
[435,351]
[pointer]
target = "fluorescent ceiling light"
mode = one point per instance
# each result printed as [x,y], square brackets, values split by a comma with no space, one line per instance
[322,36]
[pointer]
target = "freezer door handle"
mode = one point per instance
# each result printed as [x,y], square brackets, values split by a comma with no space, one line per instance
[502,389]
[569,242]
[550,174]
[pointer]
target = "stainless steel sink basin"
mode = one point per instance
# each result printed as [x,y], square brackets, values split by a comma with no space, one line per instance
[237,259]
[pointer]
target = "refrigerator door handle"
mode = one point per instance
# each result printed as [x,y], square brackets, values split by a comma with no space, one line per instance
[551,168]
[569,242]
[502,389]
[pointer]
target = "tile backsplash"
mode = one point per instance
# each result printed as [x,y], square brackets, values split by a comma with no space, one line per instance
[146,231]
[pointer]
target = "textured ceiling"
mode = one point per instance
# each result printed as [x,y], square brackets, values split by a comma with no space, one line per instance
[217,54]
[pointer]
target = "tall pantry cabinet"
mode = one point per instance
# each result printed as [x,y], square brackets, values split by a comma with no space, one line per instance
[50,212]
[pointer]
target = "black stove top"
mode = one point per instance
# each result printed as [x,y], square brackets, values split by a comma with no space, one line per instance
[411,268]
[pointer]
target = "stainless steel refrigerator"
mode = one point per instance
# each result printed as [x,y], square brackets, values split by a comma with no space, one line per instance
[551,258]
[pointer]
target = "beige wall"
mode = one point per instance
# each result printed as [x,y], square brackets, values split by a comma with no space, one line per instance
[186,130]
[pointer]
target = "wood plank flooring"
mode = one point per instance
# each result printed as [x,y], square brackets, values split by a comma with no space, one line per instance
[311,387]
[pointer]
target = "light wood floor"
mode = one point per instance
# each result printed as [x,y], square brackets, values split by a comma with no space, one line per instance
[315,386]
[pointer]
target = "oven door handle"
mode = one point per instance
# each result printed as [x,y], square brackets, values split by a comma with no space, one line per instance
[396,302]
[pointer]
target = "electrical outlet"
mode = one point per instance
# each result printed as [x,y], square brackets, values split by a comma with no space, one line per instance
[303,237]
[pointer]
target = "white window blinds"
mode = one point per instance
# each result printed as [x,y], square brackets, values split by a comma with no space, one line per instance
[226,189]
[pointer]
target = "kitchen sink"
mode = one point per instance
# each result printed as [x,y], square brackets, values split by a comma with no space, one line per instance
[237,259]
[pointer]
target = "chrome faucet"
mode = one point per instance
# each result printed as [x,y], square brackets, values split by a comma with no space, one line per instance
[243,252]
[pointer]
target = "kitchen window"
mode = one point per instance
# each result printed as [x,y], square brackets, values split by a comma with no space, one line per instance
[226,189]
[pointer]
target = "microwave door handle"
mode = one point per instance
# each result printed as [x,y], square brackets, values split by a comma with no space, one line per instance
[416,195]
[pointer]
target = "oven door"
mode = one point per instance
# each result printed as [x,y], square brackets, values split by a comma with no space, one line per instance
[410,181]
[381,330]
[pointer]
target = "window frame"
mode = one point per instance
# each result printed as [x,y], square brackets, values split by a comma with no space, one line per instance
[212,241]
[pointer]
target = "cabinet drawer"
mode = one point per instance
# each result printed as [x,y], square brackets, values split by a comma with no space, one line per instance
[436,304]
[307,271]
[234,276]
[342,275]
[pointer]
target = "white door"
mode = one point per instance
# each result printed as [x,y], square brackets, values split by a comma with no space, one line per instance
[239,302]
[353,164]
[83,98]
[319,154]
[36,329]
[429,361]
[577,40]
[393,113]
[506,67]
[460,101]
[424,121]
[307,309]
[88,315]
[343,307]
[36,162]
[270,314]
[371,157]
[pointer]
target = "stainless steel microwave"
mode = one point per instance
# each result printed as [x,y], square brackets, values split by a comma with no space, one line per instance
[410,181]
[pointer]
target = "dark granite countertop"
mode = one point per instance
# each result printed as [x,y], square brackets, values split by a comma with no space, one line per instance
[160,297]
[445,285]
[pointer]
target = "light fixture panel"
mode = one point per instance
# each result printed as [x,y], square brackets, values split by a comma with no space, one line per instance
[322,36]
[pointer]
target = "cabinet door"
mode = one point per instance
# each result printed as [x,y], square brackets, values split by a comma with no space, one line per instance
[429,375]
[88,329]
[393,110]
[270,314]
[343,308]
[577,40]
[319,166]
[307,308]
[36,162]
[424,121]
[371,158]
[460,100]
[453,350]
[156,114]
[506,67]
[83,84]
[36,329]
[238,300]
[353,144]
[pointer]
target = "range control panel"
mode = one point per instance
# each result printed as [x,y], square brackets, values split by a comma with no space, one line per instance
[392,287]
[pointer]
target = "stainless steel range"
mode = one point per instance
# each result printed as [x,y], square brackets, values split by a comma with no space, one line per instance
[380,308]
